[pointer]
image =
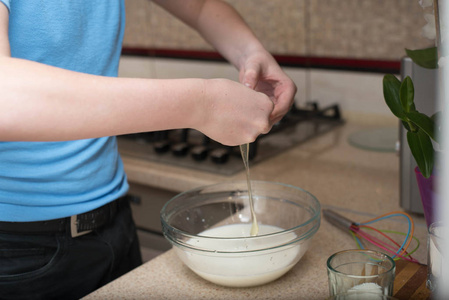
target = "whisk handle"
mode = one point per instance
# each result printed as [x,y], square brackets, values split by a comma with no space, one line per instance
[337,220]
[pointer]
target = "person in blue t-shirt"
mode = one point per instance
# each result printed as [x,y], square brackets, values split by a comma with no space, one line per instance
[65,223]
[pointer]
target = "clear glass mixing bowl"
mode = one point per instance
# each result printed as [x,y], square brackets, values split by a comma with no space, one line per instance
[209,229]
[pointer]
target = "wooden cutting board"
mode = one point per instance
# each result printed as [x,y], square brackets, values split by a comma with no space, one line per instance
[410,281]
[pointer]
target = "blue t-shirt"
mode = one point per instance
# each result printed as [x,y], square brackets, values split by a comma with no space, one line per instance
[48,180]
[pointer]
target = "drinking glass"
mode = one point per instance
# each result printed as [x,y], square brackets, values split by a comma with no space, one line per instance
[361,296]
[361,271]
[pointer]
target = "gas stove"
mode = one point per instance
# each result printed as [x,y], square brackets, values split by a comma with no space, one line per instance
[189,148]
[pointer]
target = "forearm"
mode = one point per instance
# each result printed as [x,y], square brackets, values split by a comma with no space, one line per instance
[219,24]
[222,26]
[43,103]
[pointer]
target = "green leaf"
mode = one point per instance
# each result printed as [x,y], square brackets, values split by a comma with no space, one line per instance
[424,123]
[426,58]
[406,126]
[391,86]
[436,117]
[422,150]
[407,94]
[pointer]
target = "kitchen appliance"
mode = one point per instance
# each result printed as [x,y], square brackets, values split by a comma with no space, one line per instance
[189,148]
[424,81]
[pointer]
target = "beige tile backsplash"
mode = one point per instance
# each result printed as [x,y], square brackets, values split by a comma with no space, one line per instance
[367,29]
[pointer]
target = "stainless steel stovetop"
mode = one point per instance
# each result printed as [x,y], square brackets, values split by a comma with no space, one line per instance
[191,149]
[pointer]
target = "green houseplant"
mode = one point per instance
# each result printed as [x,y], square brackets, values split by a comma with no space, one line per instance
[422,131]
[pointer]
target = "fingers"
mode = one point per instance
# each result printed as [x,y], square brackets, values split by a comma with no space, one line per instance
[273,82]
[251,76]
[283,104]
[234,114]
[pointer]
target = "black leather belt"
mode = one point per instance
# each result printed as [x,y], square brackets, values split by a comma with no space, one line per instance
[78,224]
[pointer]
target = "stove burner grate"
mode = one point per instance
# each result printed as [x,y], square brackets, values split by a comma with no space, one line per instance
[189,148]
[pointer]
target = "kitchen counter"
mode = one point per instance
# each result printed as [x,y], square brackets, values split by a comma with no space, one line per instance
[356,183]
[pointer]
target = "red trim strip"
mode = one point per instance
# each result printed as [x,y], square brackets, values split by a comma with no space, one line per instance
[367,65]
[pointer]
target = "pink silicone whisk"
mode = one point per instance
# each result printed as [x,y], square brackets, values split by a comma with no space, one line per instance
[384,242]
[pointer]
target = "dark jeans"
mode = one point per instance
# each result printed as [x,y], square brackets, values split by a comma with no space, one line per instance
[62,267]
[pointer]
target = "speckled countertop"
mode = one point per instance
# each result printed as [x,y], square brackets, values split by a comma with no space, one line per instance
[356,183]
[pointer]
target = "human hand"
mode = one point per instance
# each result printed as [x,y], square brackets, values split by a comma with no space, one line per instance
[233,114]
[262,73]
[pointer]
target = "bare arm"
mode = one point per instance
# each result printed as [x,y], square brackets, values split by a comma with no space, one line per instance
[219,24]
[44,103]
[222,27]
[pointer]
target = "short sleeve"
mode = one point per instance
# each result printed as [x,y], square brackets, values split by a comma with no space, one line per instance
[7,3]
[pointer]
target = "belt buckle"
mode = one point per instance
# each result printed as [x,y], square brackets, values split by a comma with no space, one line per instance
[74,227]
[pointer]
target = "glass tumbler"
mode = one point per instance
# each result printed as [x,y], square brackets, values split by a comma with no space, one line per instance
[361,271]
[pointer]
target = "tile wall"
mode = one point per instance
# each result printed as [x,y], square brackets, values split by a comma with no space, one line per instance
[368,29]
[365,29]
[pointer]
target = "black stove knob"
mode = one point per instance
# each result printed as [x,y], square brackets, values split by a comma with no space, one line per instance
[161,143]
[180,149]
[161,147]
[199,153]
[220,155]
